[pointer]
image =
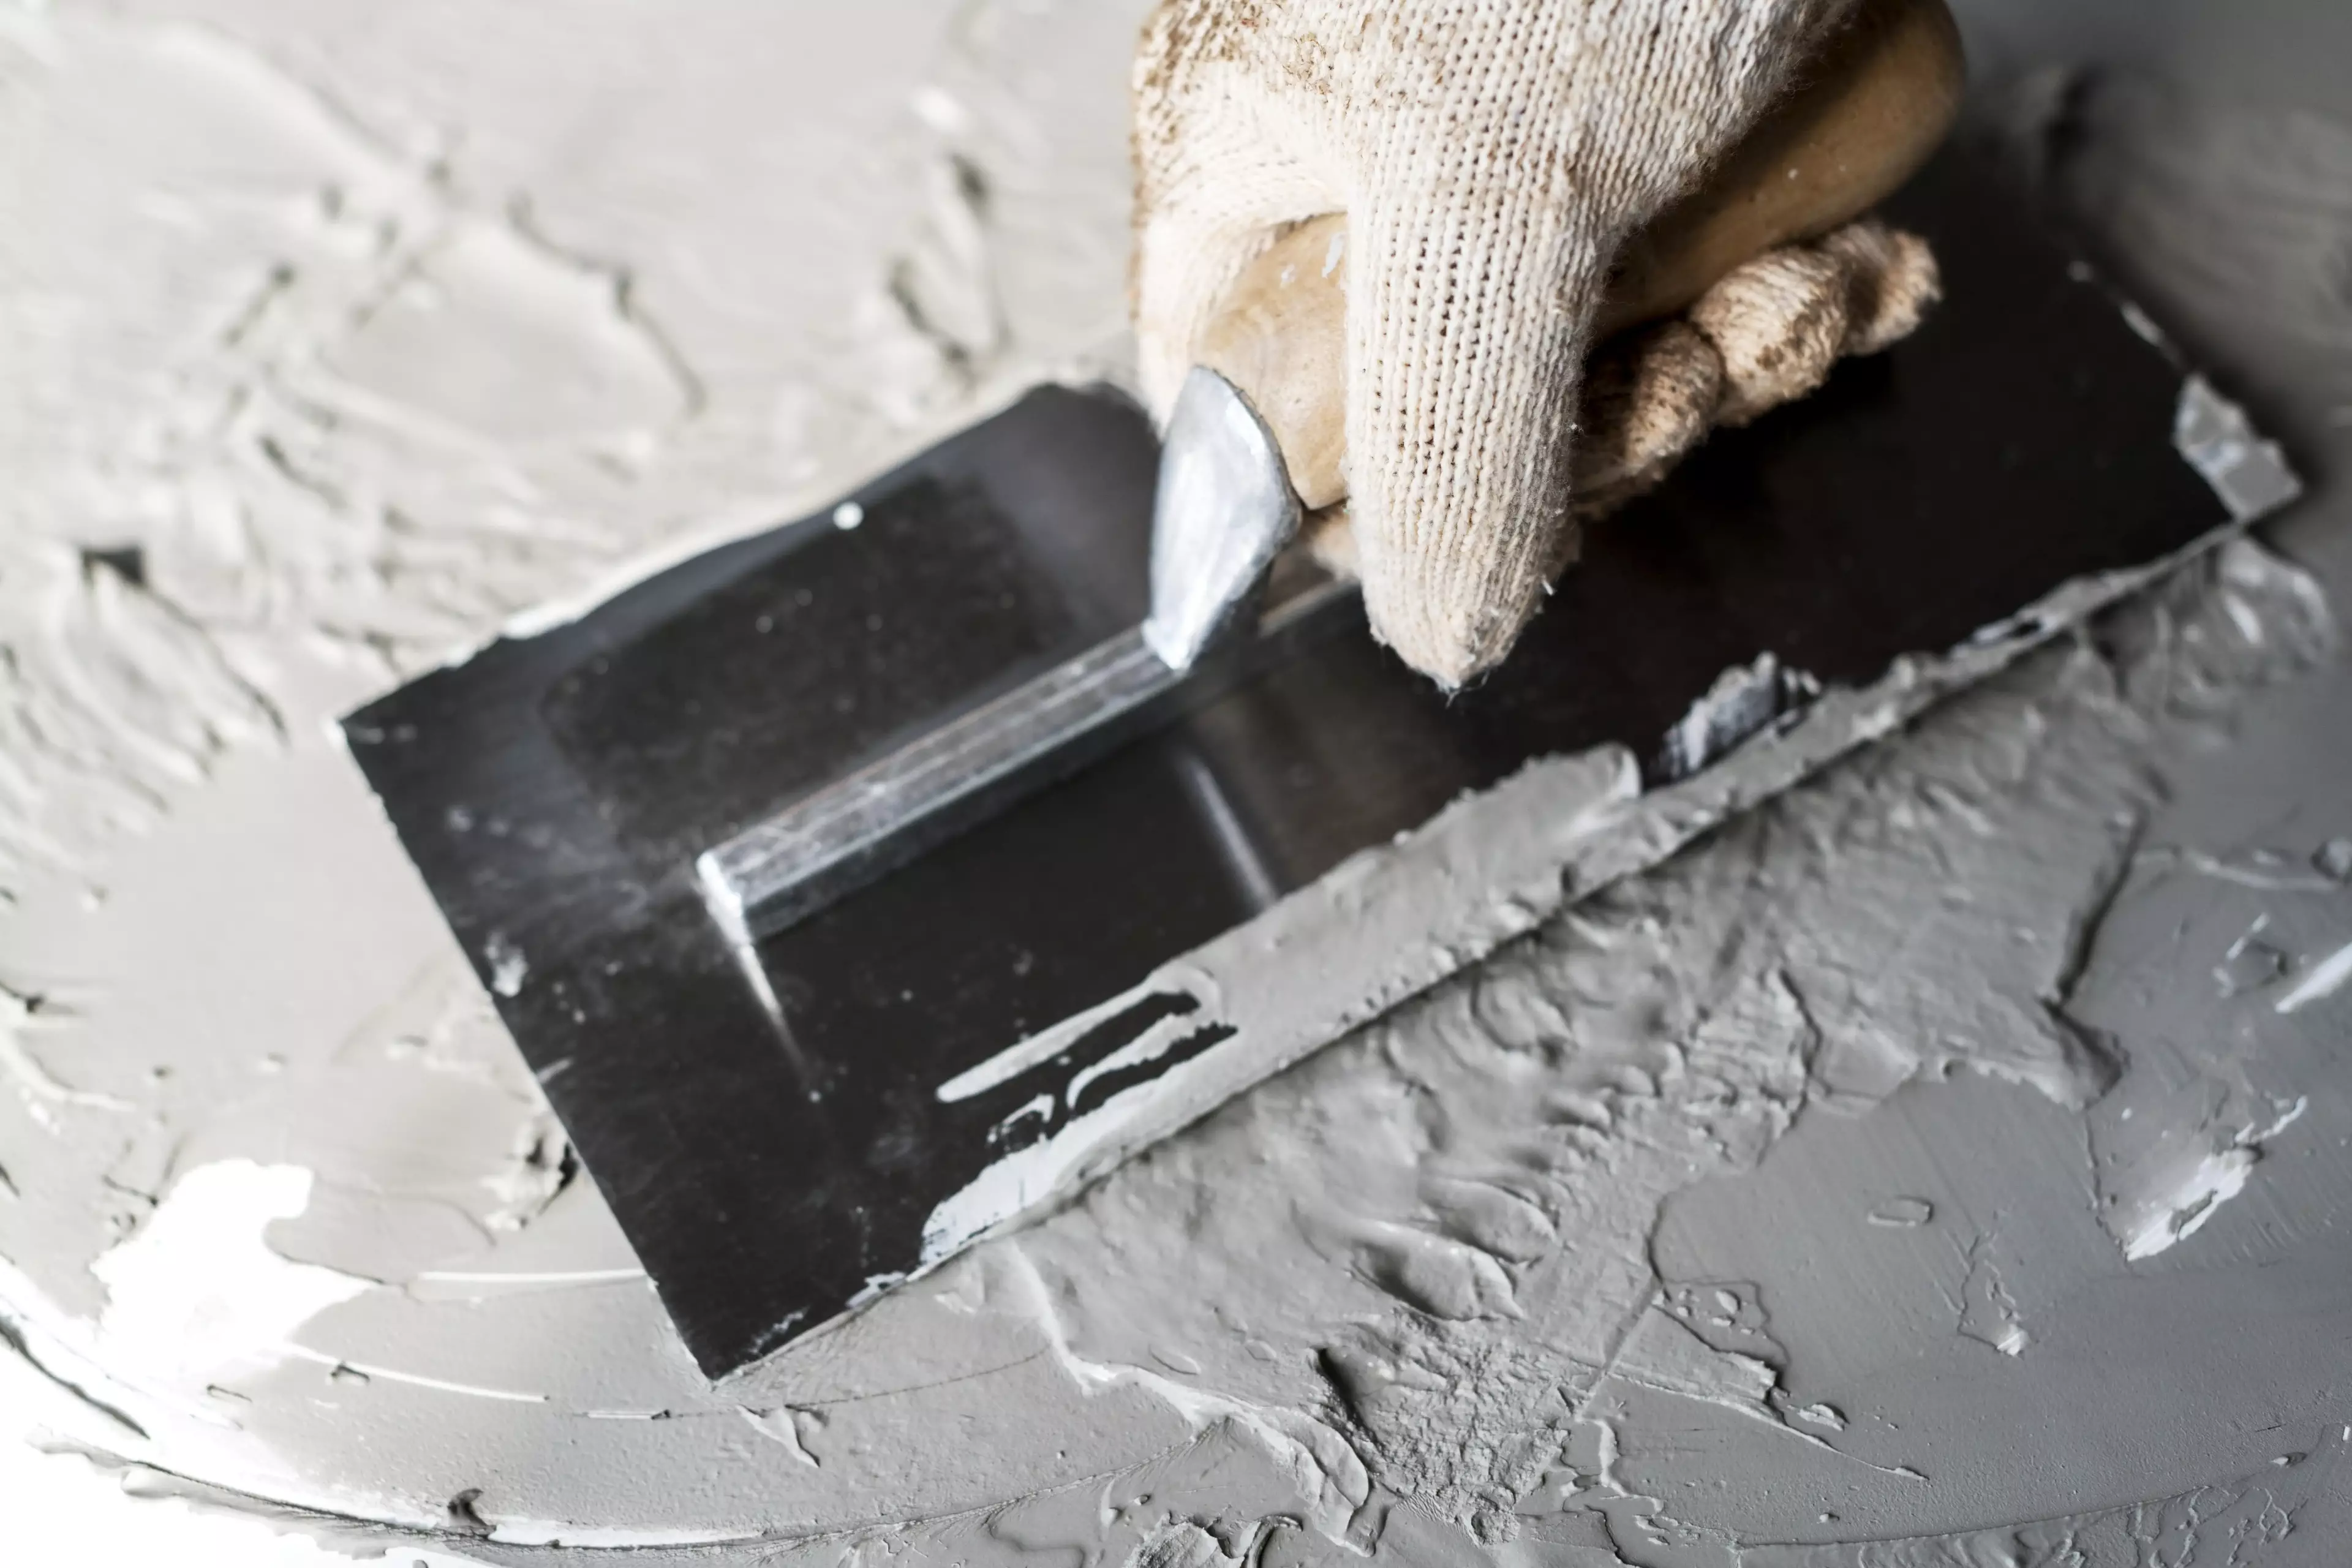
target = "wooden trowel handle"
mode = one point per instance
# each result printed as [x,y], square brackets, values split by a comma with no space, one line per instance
[1864,114]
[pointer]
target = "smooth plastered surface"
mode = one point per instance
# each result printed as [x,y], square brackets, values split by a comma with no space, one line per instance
[1944,1164]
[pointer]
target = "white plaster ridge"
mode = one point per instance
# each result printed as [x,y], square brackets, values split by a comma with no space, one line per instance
[2320,981]
[2248,472]
[2197,1190]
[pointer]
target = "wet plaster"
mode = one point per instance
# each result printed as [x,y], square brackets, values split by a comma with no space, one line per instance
[1944,1164]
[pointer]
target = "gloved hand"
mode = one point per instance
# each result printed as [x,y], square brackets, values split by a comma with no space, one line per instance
[1492,157]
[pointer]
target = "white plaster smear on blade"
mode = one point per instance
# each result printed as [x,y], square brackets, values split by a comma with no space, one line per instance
[1485,869]
[1042,1046]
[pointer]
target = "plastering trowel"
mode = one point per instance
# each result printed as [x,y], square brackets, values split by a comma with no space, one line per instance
[861,886]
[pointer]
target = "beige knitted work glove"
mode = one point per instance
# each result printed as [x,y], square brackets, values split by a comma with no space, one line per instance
[1491,156]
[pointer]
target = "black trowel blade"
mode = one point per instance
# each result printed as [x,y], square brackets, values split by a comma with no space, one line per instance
[776,1131]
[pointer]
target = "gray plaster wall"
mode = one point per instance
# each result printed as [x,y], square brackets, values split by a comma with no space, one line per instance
[1944,1164]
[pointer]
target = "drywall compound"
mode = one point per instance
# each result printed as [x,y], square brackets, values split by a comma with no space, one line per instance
[1840,1192]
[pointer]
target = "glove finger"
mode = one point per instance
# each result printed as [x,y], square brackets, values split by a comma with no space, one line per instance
[1649,397]
[1782,319]
[1778,323]
[1465,328]
[1891,280]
